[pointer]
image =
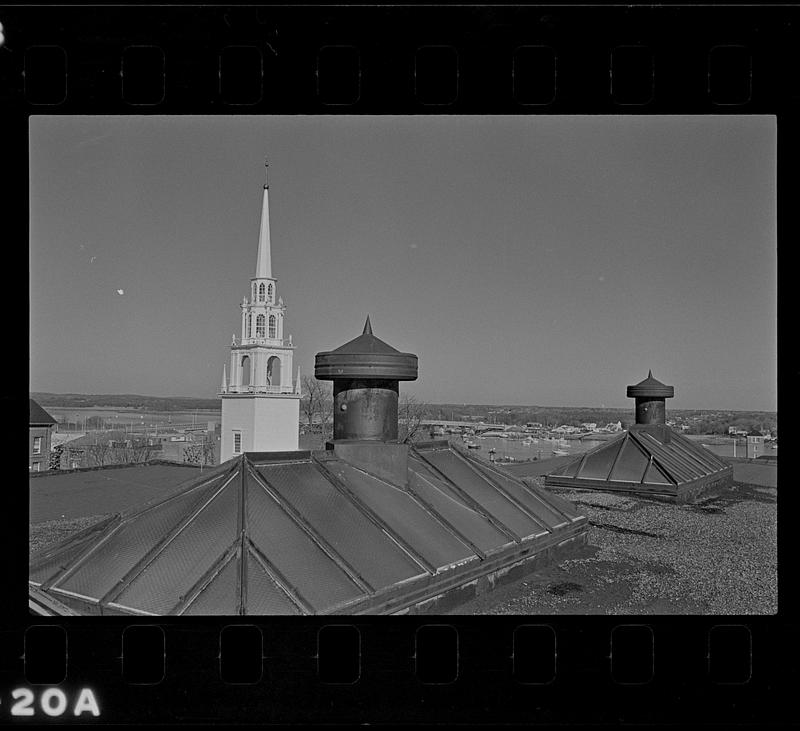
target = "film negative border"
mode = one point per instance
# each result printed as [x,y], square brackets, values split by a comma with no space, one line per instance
[335,60]
[525,670]
[421,60]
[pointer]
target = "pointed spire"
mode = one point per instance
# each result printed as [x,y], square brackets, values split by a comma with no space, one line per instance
[367,327]
[264,263]
[650,373]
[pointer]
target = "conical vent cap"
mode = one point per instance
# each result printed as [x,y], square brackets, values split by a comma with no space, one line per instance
[366,357]
[650,387]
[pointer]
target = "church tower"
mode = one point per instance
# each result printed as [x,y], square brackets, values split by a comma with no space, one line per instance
[260,405]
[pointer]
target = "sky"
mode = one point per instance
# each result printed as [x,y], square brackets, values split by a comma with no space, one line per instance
[540,260]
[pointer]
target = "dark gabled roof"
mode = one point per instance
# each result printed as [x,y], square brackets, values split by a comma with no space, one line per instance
[646,458]
[307,533]
[38,416]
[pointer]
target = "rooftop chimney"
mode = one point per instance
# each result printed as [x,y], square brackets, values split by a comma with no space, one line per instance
[650,396]
[365,374]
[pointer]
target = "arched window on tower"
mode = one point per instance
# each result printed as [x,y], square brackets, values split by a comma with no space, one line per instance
[259,326]
[249,326]
[272,327]
[261,290]
[246,370]
[269,292]
[274,371]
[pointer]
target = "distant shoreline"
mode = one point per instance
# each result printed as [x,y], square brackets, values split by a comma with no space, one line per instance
[138,402]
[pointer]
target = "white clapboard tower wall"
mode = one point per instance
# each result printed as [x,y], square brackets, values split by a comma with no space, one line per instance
[260,404]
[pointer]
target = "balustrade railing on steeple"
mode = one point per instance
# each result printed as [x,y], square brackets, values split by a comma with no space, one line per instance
[238,342]
[258,389]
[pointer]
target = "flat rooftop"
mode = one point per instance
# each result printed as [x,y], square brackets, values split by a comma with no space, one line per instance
[77,493]
[717,556]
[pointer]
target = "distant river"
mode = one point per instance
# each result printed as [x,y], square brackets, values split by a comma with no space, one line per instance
[543,450]
[68,418]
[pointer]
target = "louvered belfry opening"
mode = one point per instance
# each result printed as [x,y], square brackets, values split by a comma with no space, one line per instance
[649,458]
[368,525]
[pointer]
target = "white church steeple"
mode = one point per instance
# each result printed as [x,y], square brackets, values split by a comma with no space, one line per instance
[260,404]
[264,262]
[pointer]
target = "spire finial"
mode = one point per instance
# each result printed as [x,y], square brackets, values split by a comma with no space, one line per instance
[266,172]
[367,327]
[650,373]
[263,263]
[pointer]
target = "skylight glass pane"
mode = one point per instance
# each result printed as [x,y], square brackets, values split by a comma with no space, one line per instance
[220,596]
[465,519]
[484,494]
[546,514]
[315,575]
[341,524]
[405,517]
[655,476]
[569,470]
[630,464]
[597,465]
[187,557]
[109,564]
[263,595]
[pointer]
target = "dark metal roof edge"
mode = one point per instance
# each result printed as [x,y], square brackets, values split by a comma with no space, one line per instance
[258,458]
[616,486]
[42,604]
[389,602]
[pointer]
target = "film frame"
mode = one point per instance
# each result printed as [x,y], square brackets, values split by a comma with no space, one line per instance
[732,59]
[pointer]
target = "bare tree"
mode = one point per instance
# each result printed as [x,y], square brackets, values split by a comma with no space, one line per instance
[97,455]
[317,405]
[410,414]
[55,457]
[201,453]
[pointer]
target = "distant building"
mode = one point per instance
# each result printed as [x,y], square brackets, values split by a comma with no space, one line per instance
[260,406]
[755,447]
[589,425]
[40,430]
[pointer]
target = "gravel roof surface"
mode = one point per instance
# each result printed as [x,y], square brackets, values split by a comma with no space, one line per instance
[52,531]
[647,557]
